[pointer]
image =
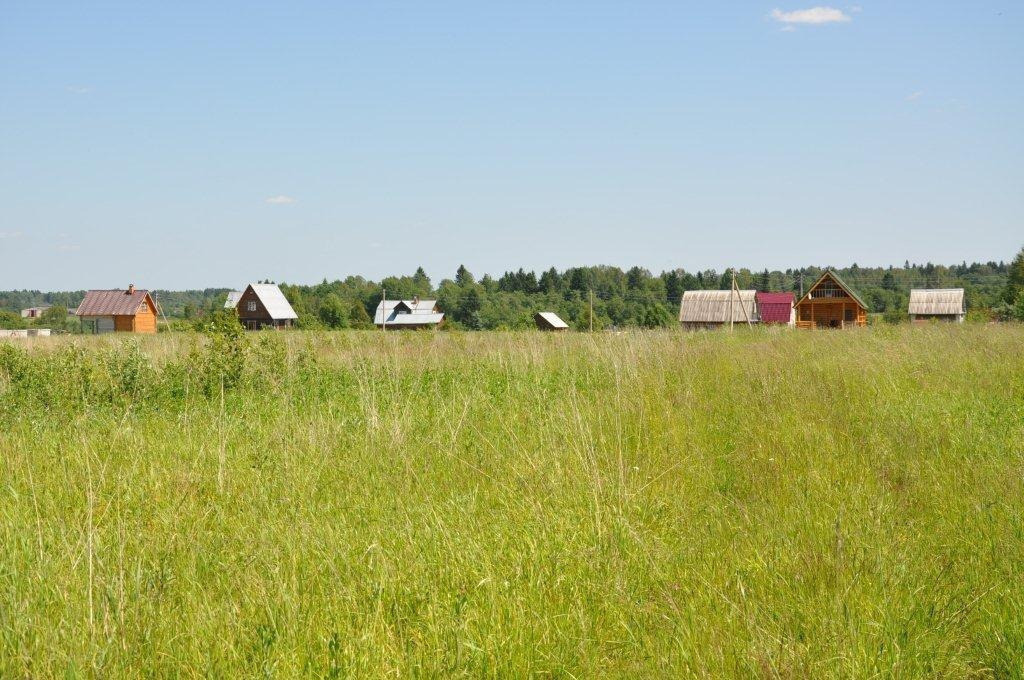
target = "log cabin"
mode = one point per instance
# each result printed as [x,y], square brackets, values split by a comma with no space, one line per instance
[830,303]
[123,311]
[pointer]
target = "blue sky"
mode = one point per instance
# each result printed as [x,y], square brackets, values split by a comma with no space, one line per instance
[211,144]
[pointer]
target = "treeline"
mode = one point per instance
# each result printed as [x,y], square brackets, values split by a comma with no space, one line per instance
[634,297]
[602,296]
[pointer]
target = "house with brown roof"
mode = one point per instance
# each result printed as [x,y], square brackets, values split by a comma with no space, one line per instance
[121,310]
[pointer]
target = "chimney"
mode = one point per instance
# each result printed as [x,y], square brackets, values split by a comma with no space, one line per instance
[415,300]
[131,289]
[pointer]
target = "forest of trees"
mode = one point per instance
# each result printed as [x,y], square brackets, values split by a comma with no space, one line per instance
[631,298]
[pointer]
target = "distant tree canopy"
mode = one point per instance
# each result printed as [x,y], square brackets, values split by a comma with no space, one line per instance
[634,297]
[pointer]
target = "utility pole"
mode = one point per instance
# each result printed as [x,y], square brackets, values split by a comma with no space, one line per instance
[383,309]
[734,294]
[801,284]
[731,291]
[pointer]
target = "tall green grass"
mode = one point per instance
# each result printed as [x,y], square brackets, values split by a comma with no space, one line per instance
[763,504]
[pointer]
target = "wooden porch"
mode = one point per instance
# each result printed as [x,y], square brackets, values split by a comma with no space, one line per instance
[834,312]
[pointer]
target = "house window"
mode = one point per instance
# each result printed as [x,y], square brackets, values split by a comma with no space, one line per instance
[251,305]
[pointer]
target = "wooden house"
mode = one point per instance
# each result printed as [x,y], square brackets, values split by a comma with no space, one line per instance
[830,303]
[717,308]
[937,304]
[549,321]
[263,305]
[407,314]
[107,311]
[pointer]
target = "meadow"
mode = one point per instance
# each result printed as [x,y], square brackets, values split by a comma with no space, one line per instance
[646,504]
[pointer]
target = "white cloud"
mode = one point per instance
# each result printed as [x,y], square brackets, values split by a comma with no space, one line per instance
[814,15]
[68,247]
[788,28]
[280,200]
[79,89]
[855,9]
[10,234]
[914,96]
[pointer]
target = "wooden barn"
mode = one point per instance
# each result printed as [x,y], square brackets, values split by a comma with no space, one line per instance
[830,303]
[107,311]
[937,304]
[716,308]
[263,305]
[549,321]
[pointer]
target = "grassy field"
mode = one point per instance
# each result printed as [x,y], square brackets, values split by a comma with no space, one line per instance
[763,504]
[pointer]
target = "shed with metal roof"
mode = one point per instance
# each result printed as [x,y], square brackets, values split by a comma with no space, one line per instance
[549,321]
[713,308]
[775,308]
[939,304]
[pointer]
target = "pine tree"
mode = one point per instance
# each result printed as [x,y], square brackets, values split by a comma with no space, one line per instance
[422,281]
[463,277]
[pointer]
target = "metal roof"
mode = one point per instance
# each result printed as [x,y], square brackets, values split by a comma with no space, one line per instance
[553,319]
[415,319]
[233,297]
[420,309]
[118,302]
[775,307]
[712,306]
[937,301]
[274,301]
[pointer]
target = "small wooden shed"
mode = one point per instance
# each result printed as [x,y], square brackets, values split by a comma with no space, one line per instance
[937,304]
[830,303]
[121,310]
[549,321]
[775,308]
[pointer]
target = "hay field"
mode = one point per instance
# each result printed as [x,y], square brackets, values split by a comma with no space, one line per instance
[762,504]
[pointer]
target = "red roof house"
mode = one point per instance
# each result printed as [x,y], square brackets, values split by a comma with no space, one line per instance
[775,307]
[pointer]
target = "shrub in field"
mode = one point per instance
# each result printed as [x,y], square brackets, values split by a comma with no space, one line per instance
[221,363]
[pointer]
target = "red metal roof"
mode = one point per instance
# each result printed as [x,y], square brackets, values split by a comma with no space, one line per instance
[775,307]
[111,302]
